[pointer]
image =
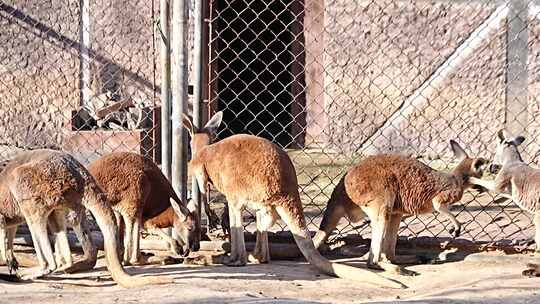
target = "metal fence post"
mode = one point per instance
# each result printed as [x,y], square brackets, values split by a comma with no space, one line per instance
[198,79]
[84,58]
[166,130]
[180,28]
[517,37]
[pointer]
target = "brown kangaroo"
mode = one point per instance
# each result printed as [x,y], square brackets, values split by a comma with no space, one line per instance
[386,187]
[253,172]
[138,191]
[42,183]
[74,219]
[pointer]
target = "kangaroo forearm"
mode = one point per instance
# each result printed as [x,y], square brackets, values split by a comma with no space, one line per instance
[489,185]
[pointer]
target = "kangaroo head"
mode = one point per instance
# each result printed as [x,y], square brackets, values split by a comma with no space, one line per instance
[468,167]
[507,150]
[201,138]
[186,231]
[204,136]
[186,226]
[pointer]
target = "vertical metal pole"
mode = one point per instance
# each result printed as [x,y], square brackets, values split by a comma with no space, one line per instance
[517,37]
[166,130]
[84,59]
[198,67]
[180,95]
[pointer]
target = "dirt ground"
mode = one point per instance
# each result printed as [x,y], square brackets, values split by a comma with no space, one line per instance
[490,278]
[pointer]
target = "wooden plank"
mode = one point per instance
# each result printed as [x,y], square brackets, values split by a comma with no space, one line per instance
[117,106]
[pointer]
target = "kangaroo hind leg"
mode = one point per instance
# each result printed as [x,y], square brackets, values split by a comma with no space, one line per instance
[42,246]
[78,221]
[266,218]
[238,255]
[57,224]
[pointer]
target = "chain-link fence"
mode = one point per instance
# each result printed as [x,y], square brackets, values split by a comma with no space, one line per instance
[78,76]
[329,80]
[335,80]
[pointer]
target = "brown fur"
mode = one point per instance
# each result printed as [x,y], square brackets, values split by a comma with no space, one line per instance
[163,220]
[40,183]
[77,220]
[254,173]
[415,184]
[138,191]
[386,187]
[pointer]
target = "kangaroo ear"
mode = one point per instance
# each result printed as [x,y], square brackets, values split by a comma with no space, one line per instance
[186,122]
[180,210]
[213,124]
[500,135]
[191,206]
[518,140]
[459,153]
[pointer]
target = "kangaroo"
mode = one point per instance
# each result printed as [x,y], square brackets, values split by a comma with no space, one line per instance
[253,172]
[386,187]
[77,220]
[183,229]
[40,184]
[137,191]
[517,181]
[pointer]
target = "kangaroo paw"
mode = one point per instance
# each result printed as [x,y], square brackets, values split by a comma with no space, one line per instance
[455,232]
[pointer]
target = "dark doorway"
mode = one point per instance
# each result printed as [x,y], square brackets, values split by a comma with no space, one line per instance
[254,67]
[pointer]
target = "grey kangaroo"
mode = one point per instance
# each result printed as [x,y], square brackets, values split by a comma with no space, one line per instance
[515,180]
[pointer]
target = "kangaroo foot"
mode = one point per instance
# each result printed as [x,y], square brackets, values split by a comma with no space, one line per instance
[235,261]
[79,266]
[33,273]
[391,268]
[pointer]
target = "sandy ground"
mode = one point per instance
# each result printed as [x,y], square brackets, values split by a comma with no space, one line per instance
[491,280]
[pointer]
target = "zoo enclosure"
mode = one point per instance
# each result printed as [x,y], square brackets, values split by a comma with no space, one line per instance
[329,80]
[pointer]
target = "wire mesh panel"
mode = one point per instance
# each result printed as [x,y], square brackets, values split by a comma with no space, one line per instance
[333,81]
[78,76]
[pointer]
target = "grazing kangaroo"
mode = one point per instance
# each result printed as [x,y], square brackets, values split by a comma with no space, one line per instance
[40,184]
[253,172]
[138,191]
[386,187]
[516,180]
[184,230]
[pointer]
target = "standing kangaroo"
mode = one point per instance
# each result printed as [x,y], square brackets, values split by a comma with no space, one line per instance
[386,187]
[516,180]
[253,172]
[75,219]
[42,183]
[137,191]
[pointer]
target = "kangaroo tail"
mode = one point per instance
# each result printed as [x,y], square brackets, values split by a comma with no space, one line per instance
[332,214]
[294,218]
[94,200]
